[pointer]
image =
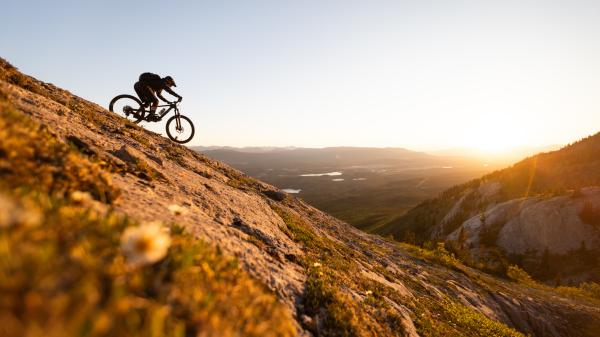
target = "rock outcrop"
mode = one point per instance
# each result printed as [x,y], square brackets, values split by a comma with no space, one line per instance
[537,224]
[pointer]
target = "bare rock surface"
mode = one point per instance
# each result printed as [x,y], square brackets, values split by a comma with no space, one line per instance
[536,224]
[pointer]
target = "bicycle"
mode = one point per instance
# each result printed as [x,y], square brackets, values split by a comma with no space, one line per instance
[134,110]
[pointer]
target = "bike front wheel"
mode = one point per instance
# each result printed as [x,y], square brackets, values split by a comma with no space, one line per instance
[127,106]
[180,129]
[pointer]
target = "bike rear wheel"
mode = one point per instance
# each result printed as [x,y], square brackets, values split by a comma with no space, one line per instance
[128,107]
[180,129]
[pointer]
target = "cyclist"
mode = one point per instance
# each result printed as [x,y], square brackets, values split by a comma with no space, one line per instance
[151,85]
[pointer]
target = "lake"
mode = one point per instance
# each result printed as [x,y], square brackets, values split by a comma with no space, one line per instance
[331,174]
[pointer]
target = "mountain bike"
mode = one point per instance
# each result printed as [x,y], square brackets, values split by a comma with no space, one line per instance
[180,129]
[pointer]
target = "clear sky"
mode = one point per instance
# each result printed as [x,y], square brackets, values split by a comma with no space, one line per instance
[418,74]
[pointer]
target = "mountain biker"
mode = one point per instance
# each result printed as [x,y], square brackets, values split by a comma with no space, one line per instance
[151,85]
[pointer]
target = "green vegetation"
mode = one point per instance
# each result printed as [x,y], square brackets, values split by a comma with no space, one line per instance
[139,137]
[552,267]
[473,323]
[434,252]
[64,266]
[175,153]
[372,203]
[143,170]
[242,182]
[333,273]
[517,274]
[342,318]
[587,290]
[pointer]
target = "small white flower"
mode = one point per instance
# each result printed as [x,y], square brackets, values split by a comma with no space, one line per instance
[368,292]
[177,210]
[145,244]
[316,264]
[79,197]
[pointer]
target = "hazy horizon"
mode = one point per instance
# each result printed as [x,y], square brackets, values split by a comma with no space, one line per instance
[420,75]
[431,150]
[498,157]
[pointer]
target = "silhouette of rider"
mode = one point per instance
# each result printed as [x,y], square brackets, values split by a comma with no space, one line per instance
[151,85]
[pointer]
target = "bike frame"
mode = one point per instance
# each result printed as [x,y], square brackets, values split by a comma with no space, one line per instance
[172,106]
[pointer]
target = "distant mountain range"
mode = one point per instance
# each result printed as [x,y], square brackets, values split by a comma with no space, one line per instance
[300,154]
[249,149]
[329,157]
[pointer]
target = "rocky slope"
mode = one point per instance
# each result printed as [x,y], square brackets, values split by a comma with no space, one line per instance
[546,205]
[330,278]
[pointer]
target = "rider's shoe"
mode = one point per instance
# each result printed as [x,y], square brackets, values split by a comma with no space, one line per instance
[154,117]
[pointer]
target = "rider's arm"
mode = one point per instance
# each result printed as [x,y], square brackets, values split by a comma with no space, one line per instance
[162,98]
[167,89]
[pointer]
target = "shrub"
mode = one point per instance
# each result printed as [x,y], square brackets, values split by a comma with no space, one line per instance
[517,274]
[586,289]
[473,323]
[591,288]
[435,252]
[443,256]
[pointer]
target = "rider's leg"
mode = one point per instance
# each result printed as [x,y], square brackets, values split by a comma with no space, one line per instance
[153,107]
[147,96]
[142,91]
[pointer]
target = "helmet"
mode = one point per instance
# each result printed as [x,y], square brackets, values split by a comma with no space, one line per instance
[169,81]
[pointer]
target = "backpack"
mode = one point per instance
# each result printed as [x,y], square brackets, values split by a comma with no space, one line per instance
[149,77]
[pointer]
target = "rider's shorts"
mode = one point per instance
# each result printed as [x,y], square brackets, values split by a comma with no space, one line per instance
[145,93]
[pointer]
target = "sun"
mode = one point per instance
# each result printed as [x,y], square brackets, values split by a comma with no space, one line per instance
[493,144]
[493,139]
